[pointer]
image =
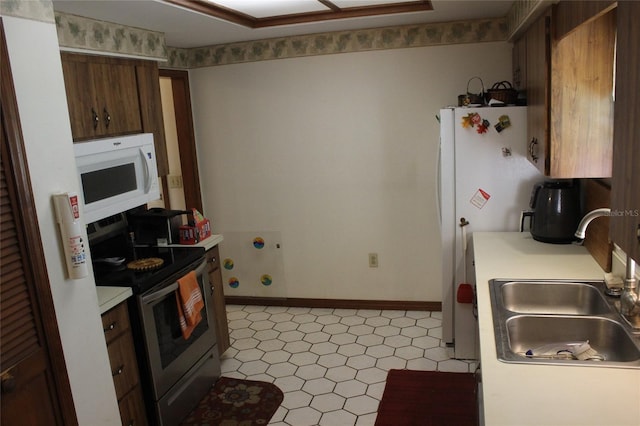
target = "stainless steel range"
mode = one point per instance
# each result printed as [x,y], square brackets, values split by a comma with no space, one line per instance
[175,372]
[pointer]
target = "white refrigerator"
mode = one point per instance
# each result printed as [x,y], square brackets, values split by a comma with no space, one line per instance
[485,182]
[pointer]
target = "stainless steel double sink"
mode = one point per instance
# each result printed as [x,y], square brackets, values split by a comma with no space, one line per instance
[530,314]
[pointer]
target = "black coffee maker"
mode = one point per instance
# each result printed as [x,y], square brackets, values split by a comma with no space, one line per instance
[555,211]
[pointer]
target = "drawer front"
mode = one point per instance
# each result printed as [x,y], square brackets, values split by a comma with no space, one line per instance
[115,322]
[213,258]
[124,368]
[132,411]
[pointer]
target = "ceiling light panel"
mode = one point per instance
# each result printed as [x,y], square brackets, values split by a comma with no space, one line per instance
[343,4]
[265,9]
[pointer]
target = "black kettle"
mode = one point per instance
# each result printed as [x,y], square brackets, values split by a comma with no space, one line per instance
[555,211]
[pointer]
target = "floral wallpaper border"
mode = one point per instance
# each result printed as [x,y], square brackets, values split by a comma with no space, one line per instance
[35,10]
[82,33]
[76,32]
[485,30]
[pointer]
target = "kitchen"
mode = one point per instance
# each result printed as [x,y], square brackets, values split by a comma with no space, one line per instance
[399,186]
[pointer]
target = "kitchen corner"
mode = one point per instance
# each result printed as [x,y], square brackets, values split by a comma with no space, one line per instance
[525,394]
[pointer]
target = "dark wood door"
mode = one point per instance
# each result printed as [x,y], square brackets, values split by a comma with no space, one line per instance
[34,383]
[625,197]
[537,83]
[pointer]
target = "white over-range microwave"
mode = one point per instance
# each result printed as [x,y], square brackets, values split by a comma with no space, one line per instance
[116,174]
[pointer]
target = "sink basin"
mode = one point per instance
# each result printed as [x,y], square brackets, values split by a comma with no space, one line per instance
[604,335]
[566,298]
[529,314]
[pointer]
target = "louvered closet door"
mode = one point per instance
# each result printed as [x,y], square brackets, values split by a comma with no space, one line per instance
[26,375]
[34,384]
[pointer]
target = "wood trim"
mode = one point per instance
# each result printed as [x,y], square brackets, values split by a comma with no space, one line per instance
[394,305]
[298,18]
[571,14]
[596,195]
[186,137]
[32,237]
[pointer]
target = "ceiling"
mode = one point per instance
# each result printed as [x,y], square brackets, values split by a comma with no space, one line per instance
[185,28]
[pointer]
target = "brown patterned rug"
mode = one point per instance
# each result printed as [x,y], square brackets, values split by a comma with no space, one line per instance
[236,402]
[428,398]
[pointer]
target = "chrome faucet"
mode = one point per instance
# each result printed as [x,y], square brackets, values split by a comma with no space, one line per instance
[586,220]
[629,299]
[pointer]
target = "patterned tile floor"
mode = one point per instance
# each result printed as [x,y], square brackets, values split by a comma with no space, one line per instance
[332,364]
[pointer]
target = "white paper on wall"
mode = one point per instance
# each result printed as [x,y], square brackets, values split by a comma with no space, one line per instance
[252,264]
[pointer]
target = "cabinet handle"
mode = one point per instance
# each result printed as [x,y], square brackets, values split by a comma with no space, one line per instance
[119,371]
[213,259]
[107,117]
[533,152]
[8,381]
[111,326]
[131,423]
[96,119]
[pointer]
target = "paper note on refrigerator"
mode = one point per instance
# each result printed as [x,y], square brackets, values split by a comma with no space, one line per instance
[480,198]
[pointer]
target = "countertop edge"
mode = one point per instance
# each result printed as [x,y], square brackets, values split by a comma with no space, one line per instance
[110,297]
[207,243]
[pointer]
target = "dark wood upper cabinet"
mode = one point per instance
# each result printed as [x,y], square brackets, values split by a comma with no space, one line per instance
[110,97]
[625,183]
[569,86]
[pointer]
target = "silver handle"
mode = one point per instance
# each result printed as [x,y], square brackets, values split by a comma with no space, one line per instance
[107,117]
[170,288]
[533,152]
[94,118]
[119,371]
[110,326]
[160,293]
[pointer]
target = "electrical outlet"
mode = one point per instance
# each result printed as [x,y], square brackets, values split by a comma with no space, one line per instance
[175,181]
[373,260]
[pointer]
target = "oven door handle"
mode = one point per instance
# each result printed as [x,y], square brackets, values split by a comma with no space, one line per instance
[160,293]
[170,288]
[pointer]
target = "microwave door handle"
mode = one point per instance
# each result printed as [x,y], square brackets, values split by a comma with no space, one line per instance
[148,299]
[147,173]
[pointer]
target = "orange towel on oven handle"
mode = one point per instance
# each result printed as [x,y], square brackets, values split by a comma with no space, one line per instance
[190,303]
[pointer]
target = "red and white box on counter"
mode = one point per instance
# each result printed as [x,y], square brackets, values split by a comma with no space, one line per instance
[198,231]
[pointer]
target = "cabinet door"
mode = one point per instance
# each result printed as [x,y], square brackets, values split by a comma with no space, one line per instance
[625,196]
[581,121]
[81,99]
[151,110]
[132,409]
[215,280]
[537,84]
[102,96]
[117,98]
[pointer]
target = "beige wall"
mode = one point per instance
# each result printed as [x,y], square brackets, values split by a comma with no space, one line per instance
[338,153]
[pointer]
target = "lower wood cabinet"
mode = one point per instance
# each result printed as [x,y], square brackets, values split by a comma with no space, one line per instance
[124,367]
[215,280]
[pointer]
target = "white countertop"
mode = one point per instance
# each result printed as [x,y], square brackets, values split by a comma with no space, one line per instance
[109,297]
[207,243]
[540,395]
